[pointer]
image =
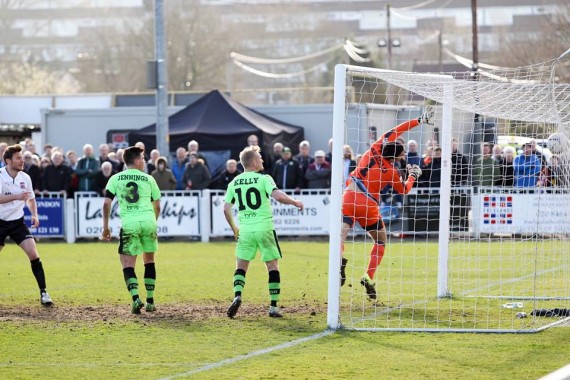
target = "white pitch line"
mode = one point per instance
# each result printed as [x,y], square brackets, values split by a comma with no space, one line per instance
[560,374]
[264,351]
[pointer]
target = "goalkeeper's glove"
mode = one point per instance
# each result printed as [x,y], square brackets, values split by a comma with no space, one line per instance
[414,171]
[427,116]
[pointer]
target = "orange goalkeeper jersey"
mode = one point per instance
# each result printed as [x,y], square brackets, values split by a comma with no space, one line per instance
[375,173]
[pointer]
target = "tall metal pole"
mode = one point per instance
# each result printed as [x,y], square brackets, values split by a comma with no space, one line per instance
[440,43]
[162,133]
[477,135]
[389,97]
[475,38]
[388,27]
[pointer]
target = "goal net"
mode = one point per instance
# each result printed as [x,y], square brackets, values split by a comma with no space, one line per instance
[481,241]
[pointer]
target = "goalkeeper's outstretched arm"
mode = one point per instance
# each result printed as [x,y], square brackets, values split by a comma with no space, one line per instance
[391,136]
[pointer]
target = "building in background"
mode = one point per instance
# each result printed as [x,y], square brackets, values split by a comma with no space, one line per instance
[103,45]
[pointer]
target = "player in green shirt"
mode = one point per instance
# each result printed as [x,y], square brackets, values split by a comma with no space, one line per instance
[139,206]
[251,191]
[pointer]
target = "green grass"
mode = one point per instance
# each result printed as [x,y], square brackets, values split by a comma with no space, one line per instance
[90,333]
[482,277]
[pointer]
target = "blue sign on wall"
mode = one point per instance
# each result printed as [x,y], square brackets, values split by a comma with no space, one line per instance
[50,214]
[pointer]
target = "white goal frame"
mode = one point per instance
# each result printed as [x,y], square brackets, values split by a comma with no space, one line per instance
[335,242]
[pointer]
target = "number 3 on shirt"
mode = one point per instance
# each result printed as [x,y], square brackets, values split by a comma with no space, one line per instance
[133,192]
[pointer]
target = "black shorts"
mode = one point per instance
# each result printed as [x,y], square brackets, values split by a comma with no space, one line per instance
[16,229]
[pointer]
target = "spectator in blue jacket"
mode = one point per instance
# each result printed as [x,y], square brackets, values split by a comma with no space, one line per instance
[179,166]
[526,168]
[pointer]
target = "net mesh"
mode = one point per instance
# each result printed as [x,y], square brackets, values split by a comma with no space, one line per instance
[490,253]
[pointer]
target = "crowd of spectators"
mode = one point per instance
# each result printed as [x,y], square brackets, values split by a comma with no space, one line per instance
[55,170]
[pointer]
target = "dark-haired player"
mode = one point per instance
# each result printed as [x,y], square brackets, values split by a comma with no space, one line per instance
[360,202]
[139,207]
[16,191]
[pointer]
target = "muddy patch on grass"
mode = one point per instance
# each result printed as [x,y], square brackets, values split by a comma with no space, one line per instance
[168,313]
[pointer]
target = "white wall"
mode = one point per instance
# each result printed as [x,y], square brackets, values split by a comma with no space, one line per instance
[315,118]
[23,109]
[73,128]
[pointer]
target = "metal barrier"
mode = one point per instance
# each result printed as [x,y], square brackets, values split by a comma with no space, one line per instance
[199,214]
[51,215]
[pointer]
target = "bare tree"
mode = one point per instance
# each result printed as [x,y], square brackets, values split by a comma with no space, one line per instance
[31,79]
[197,48]
[550,43]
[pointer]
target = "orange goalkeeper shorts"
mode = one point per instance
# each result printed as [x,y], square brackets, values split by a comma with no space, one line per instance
[358,207]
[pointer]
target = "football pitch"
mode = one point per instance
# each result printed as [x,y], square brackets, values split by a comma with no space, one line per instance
[90,333]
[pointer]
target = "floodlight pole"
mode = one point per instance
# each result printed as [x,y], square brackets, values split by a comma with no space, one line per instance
[389,29]
[477,127]
[162,133]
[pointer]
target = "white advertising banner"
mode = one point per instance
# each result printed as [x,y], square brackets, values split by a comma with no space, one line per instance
[313,220]
[524,213]
[178,216]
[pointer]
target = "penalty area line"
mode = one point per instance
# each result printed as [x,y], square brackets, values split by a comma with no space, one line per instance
[253,354]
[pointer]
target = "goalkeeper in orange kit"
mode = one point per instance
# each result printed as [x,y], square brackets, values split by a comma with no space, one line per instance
[361,199]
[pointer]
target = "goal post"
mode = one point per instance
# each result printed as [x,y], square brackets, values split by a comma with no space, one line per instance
[469,249]
[445,193]
[335,243]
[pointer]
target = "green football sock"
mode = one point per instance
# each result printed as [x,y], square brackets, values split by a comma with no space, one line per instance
[274,287]
[132,282]
[149,281]
[133,287]
[149,286]
[239,281]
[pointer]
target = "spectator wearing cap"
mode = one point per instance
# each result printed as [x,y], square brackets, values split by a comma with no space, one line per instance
[318,174]
[526,167]
[287,173]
